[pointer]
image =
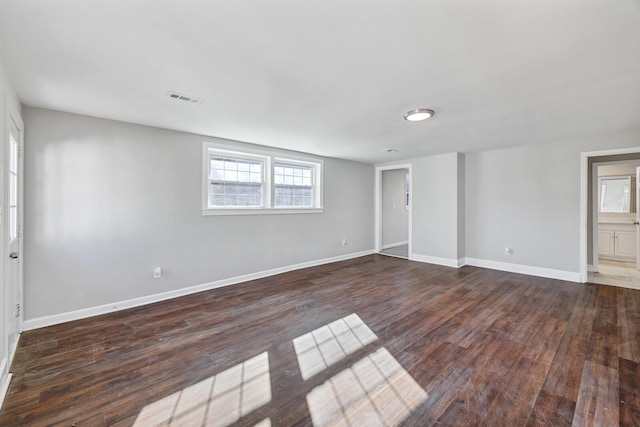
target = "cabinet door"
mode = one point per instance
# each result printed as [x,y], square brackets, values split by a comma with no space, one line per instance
[605,243]
[625,244]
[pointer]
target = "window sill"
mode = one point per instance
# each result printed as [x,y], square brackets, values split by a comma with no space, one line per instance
[261,211]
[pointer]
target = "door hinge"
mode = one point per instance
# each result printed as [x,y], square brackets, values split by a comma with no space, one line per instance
[18,231]
[17,310]
[20,151]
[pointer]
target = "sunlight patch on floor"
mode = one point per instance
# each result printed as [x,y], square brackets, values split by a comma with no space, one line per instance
[375,391]
[322,347]
[217,401]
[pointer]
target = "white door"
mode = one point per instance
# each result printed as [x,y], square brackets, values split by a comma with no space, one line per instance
[13,220]
[637,222]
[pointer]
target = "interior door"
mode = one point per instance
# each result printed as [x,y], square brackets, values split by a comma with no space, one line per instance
[13,220]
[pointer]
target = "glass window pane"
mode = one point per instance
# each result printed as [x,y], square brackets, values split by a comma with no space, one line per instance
[255,177]
[216,174]
[230,164]
[217,163]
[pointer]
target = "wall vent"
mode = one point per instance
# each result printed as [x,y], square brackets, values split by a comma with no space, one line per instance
[186,98]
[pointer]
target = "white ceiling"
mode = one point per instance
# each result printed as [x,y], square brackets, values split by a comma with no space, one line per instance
[334,77]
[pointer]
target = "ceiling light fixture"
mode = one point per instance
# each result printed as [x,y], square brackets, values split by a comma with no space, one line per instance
[418,114]
[390,150]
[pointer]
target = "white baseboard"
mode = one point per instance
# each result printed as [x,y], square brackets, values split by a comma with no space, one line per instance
[393,245]
[550,273]
[5,379]
[55,319]
[447,262]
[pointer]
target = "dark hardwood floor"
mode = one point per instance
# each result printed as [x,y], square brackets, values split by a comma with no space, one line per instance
[371,341]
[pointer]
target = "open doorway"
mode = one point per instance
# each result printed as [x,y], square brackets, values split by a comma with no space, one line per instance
[615,255]
[609,233]
[393,211]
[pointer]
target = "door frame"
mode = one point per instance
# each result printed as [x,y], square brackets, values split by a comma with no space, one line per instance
[378,205]
[12,115]
[584,192]
[595,192]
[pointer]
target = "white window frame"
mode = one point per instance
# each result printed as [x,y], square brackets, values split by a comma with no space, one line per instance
[237,155]
[268,160]
[316,180]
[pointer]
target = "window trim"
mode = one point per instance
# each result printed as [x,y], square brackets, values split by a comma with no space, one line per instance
[316,180]
[269,160]
[264,160]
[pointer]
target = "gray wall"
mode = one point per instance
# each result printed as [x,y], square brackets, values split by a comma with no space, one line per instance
[437,210]
[395,216]
[435,206]
[107,201]
[8,96]
[528,199]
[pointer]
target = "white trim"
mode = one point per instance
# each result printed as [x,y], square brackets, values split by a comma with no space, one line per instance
[4,388]
[317,167]
[13,117]
[377,231]
[393,255]
[447,262]
[261,211]
[393,245]
[584,188]
[55,319]
[570,276]
[592,268]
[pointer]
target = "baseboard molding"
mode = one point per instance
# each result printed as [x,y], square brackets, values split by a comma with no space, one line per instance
[4,385]
[592,268]
[55,319]
[550,273]
[447,262]
[393,245]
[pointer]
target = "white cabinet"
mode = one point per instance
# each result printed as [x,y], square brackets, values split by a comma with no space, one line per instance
[606,241]
[617,241]
[626,244]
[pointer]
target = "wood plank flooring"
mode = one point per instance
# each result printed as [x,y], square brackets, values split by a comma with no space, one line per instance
[370,341]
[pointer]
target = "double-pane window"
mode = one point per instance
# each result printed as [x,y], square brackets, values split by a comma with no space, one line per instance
[236,182]
[293,185]
[256,182]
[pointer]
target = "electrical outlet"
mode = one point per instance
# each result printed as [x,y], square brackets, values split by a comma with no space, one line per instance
[344,242]
[157,272]
[508,251]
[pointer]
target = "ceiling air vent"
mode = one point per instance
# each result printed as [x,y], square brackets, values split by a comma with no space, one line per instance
[181,97]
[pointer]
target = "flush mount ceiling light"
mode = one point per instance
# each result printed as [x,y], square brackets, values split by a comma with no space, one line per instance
[390,150]
[418,114]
